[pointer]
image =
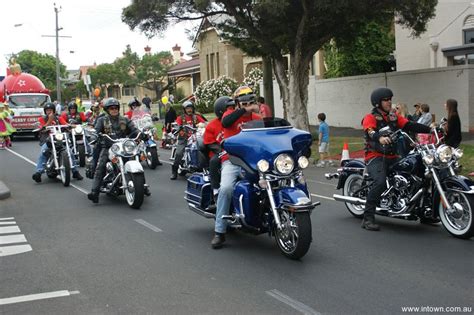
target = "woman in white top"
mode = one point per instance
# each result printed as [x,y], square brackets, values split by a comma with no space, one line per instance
[425,118]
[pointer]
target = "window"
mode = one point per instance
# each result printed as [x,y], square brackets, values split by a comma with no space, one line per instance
[459,60]
[128,91]
[217,65]
[211,62]
[468,36]
[207,67]
[470,59]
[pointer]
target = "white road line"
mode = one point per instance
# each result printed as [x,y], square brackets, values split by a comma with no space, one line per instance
[318,182]
[148,225]
[5,219]
[10,239]
[33,163]
[35,297]
[15,249]
[303,308]
[7,222]
[324,197]
[9,229]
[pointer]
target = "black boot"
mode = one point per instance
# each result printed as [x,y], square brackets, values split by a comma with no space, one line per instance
[159,162]
[37,177]
[93,196]
[147,191]
[174,172]
[77,175]
[218,240]
[368,223]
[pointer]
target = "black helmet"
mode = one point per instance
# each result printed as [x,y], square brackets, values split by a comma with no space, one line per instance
[220,105]
[49,105]
[378,94]
[134,102]
[71,105]
[111,102]
[187,104]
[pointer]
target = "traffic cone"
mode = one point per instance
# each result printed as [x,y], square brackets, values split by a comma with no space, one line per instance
[345,152]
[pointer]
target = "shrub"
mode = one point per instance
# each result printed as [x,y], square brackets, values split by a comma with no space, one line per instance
[207,92]
[253,80]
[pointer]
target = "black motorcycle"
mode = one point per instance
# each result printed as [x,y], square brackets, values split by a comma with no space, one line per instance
[423,185]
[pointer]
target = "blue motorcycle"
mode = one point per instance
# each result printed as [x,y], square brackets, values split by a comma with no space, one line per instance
[271,195]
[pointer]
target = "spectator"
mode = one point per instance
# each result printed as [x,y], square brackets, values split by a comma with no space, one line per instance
[170,116]
[453,127]
[171,98]
[264,110]
[323,141]
[417,113]
[58,107]
[425,118]
[403,144]
[147,101]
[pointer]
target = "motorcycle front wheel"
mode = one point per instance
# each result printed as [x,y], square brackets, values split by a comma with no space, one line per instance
[81,150]
[294,239]
[458,221]
[152,157]
[353,185]
[64,168]
[135,193]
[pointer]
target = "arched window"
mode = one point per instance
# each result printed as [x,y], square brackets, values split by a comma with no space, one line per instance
[468,29]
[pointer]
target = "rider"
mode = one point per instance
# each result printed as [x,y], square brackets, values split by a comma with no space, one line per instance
[50,118]
[115,126]
[213,136]
[232,121]
[380,151]
[133,104]
[190,118]
[72,116]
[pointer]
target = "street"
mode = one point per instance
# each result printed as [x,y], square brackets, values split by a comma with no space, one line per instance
[108,258]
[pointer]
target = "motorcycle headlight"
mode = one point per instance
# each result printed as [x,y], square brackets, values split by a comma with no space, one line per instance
[78,129]
[263,166]
[115,148]
[444,153]
[458,153]
[428,159]
[129,146]
[284,164]
[59,136]
[303,162]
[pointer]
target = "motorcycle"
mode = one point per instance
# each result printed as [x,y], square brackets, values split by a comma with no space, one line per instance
[59,160]
[168,139]
[124,173]
[191,160]
[81,147]
[144,123]
[423,185]
[271,196]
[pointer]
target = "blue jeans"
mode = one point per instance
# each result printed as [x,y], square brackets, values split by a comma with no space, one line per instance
[43,158]
[229,175]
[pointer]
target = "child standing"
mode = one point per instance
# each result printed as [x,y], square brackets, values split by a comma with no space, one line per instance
[323,141]
[6,128]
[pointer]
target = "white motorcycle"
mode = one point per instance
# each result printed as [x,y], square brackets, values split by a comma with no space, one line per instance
[59,160]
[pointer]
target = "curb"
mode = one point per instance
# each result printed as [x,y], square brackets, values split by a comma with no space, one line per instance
[4,191]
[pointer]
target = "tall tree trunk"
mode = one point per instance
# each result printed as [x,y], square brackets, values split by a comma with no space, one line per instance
[279,67]
[268,83]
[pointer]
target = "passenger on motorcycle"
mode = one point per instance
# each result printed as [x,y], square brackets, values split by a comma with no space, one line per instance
[133,104]
[72,116]
[191,118]
[232,121]
[380,151]
[50,118]
[116,127]
[213,136]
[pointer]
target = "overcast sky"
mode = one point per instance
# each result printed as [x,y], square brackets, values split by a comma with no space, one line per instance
[98,34]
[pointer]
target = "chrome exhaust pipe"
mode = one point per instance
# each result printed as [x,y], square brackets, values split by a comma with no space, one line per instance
[331,175]
[352,200]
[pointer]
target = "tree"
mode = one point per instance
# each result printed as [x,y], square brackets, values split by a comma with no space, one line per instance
[275,28]
[106,73]
[41,65]
[367,53]
[152,72]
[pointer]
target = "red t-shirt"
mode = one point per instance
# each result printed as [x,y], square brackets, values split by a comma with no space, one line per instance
[61,120]
[189,119]
[237,126]
[129,114]
[370,122]
[213,134]
[80,116]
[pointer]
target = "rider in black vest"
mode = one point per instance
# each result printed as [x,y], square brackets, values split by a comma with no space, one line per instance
[380,152]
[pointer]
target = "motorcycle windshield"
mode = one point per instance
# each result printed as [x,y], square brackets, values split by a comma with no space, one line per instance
[266,139]
[142,119]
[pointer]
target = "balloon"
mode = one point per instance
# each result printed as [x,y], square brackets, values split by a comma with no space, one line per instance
[97,92]
[164,100]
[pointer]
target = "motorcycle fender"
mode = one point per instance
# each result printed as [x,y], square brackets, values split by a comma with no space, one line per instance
[133,167]
[349,167]
[458,183]
[151,143]
[294,198]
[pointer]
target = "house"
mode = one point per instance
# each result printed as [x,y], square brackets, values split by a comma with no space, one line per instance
[186,74]
[448,40]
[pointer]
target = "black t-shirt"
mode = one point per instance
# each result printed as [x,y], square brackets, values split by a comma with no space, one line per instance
[453,136]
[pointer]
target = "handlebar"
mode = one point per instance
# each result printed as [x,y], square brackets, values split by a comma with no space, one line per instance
[118,140]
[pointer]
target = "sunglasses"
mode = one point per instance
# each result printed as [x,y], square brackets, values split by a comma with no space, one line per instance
[386,99]
[245,104]
[113,108]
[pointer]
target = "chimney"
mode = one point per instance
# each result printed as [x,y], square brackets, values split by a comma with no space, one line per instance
[147,50]
[176,54]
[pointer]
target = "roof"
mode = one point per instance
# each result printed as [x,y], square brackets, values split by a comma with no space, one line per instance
[458,50]
[211,22]
[185,68]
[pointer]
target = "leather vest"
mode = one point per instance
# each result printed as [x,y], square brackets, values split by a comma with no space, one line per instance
[375,146]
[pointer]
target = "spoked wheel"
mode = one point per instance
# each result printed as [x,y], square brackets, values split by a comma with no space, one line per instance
[135,193]
[82,155]
[295,237]
[352,188]
[152,157]
[458,220]
[64,169]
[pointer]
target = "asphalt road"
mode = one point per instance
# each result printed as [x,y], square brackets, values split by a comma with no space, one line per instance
[109,258]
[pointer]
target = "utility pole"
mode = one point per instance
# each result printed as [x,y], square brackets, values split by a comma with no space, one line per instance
[58,78]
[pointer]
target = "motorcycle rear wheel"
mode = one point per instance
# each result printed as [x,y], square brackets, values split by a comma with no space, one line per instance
[352,184]
[152,157]
[295,237]
[82,155]
[65,168]
[135,195]
[458,223]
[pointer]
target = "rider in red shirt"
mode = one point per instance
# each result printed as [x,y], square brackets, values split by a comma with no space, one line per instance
[133,104]
[72,116]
